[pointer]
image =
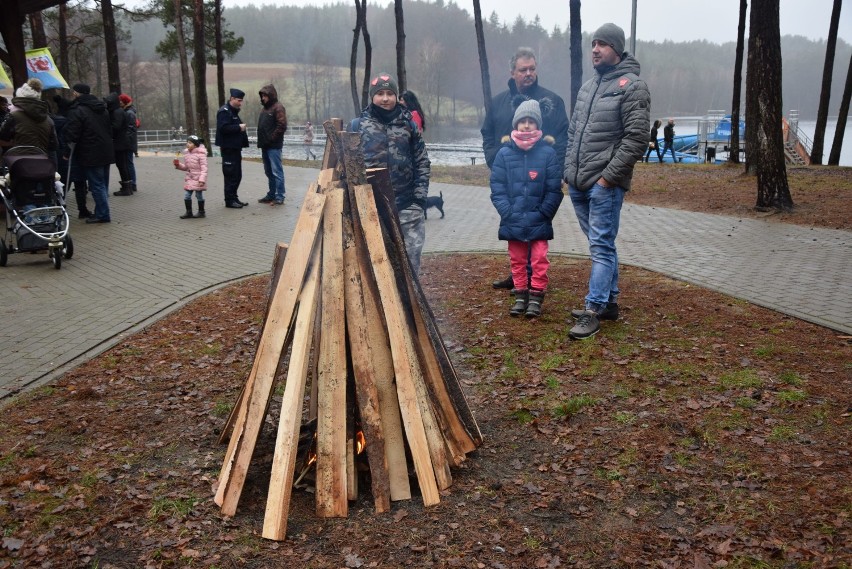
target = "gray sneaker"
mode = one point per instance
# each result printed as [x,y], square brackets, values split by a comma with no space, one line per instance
[587,325]
[608,313]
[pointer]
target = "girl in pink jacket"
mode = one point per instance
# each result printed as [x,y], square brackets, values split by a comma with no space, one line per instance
[195,180]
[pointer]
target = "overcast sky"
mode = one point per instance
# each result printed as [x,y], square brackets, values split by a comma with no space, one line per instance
[676,20]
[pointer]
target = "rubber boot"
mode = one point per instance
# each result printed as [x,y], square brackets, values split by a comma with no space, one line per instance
[200,210]
[520,306]
[534,304]
[188,214]
[80,191]
[125,190]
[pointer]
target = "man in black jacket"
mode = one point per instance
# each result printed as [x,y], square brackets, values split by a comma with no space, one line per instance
[88,141]
[231,138]
[523,85]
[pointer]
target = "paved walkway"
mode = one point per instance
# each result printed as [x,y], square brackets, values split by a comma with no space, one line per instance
[147,262]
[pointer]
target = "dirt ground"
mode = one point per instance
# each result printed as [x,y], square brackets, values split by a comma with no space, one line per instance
[697,431]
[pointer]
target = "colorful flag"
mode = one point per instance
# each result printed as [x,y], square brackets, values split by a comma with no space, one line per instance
[40,64]
[5,82]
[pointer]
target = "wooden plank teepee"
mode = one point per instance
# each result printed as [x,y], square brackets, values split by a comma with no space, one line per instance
[354,318]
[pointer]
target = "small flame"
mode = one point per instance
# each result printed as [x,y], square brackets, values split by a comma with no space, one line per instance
[360,442]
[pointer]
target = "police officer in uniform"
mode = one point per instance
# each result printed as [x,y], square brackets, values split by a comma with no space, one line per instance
[231,138]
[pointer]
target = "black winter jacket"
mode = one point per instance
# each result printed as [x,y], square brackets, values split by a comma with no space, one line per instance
[498,123]
[120,129]
[228,133]
[526,189]
[89,128]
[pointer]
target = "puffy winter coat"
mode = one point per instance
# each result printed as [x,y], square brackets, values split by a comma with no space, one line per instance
[399,147]
[526,189]
[498,122]
[195,165]
[29,125]
[272,122]
[608,132]
[90,129]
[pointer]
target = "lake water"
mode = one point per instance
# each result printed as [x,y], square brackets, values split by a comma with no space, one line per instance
[456,146]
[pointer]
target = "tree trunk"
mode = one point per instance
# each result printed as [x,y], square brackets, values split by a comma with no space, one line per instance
[111,47]
[353,59]
[220,55]
[37,27]
[576,49]
[368,56]
[184,69]
[11,28]
[483,56]
[64,65]
[401,80]
[842,115]
[734,153]
[825,93]
[202,112]
[763,107]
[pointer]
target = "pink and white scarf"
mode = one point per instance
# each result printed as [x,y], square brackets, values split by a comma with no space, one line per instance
[526,140]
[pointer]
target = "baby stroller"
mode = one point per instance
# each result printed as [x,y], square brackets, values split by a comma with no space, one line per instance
[36,219]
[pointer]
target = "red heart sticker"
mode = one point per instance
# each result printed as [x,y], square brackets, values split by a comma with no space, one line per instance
[533,174]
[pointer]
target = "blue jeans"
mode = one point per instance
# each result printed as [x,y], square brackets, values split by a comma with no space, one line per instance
[98,178]
[274,171]
[599,213]
[131,167]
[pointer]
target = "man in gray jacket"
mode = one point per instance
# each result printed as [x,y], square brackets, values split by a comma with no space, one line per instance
[606,136]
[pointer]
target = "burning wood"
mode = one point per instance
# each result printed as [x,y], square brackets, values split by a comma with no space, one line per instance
[382,381]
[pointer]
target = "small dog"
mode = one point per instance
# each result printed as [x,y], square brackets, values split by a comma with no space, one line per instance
[435,201]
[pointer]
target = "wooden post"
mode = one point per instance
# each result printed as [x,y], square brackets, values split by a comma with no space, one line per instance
[331,419]
[402,350]
[287,440]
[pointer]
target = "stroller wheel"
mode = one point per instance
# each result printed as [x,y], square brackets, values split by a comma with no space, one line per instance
[68,247]
[4,254]
[56,254]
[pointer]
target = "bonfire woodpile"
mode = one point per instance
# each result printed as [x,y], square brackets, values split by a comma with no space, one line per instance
[350,319]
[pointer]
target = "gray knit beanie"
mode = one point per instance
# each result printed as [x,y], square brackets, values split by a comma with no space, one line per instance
[383,81]
[612,35]
[529,109]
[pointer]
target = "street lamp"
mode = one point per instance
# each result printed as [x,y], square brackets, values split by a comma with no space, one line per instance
[633,30]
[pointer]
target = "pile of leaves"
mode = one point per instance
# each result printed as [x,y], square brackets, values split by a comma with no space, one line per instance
[697,431]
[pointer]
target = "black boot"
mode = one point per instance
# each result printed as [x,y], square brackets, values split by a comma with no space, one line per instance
[80,190]
[534,305]
[521,298]
[506,283]
[125,190]
[133,186]
[201,210]
[188,214]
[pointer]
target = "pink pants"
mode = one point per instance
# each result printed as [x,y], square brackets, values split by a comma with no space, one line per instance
[536,252]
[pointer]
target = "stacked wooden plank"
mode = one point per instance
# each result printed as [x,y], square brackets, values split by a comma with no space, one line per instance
[351,314]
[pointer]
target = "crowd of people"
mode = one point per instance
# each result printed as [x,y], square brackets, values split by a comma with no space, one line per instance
[535,152]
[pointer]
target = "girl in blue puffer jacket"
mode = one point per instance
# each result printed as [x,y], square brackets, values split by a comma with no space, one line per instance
[526,189]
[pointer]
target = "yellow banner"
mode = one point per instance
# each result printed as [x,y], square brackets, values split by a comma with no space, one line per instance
[5,82]
[40,64]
